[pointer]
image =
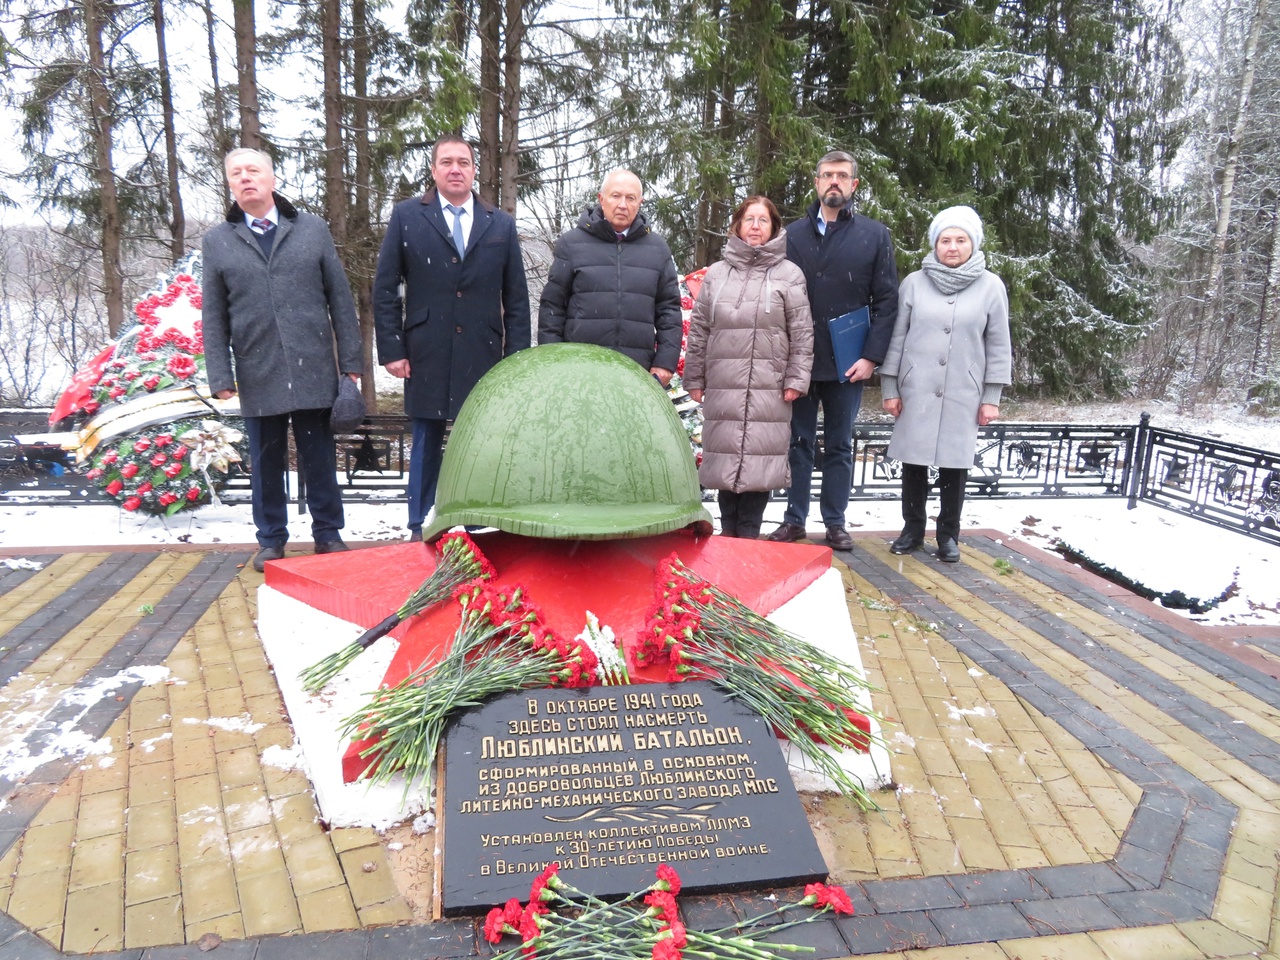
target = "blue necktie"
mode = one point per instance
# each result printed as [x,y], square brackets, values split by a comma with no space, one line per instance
[457,228]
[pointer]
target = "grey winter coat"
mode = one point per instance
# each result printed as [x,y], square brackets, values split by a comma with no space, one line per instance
[750,338]
[281,315]
[949,354]
[622,294]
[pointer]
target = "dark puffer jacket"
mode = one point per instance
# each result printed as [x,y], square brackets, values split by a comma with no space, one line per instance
[615,293]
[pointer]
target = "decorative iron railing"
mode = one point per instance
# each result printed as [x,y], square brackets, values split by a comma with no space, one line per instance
[1226,484]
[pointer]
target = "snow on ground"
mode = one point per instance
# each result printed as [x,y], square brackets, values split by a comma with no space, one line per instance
[1150,545]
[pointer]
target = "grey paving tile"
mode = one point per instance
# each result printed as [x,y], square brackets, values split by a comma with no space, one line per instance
[1209,827]
[1171,903]
[1142,867]
[1069,915]
[445,939]
[1081,879]
[997,886]
[1153,830]
[346,945]
[821,935]
[882,934]
[1196,866]
[226,950]
[928,893]
[981,924]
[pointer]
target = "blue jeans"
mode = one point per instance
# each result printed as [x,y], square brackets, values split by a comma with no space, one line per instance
[317,463]
[840,401]
[424,468]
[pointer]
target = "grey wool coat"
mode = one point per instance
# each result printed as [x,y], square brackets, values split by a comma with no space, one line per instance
[289,319]
[750,338]
[949,354]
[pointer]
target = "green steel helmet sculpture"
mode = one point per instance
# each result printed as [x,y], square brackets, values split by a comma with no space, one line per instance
[569,441]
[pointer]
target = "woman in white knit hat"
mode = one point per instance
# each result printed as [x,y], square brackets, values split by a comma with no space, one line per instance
[948,362]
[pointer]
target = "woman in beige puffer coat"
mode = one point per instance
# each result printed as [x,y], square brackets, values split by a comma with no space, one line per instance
[749,355]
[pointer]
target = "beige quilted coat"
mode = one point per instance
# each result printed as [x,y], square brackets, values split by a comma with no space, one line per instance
[750,338]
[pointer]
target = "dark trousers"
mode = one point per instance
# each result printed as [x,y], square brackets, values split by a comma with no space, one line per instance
[317,463]
[915,496]
[742,513]
[839,400]
[424,468]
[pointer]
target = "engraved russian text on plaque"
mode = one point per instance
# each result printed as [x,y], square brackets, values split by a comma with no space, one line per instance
[610,782]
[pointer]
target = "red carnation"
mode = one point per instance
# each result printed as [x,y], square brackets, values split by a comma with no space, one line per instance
[145,487]
[110,457]
[167,498]
[129,470]
[114,488]
[115,393]
[178,452]
[193,494]
[493,925]
[668,880]
[163,439]
[666,950]
[181,367]
[151,382]
[158,460]
[142,445]
[131,375]
[171,470]
[94,474]
[133,503]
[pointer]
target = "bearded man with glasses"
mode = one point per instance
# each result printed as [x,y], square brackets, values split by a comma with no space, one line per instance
[848,264]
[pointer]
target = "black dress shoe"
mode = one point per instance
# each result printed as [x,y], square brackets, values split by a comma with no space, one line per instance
[787,533]
[948,551]
[415,536]
[838,538]
[264,554]
[332,546]
[905,544]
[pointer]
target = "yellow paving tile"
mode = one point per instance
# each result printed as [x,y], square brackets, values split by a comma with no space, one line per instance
[1166,943]
[1215,940]
[1244,909]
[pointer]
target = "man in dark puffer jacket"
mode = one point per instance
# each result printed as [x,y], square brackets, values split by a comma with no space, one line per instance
[613,283]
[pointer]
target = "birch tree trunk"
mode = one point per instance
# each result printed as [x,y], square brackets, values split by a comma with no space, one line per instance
[1213,291]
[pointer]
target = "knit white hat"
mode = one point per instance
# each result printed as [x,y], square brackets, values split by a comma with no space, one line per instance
[964,218]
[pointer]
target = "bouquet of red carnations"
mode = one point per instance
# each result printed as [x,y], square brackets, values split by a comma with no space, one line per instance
[561,922]
[458,562]
[502,644]
[809,696]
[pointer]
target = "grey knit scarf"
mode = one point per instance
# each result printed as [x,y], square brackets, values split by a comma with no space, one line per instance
[954,279]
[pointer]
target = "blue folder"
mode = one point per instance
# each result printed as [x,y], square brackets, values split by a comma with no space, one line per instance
[848,335]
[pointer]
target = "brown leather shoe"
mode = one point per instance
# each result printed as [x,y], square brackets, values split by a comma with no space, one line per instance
[838,538]
[788,533]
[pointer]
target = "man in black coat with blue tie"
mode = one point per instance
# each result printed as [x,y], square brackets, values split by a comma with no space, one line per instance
[463,306]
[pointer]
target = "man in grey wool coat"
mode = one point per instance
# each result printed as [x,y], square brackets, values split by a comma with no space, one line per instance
[276,297]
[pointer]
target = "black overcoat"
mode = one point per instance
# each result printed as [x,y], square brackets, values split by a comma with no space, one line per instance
[453,318]
[850,267]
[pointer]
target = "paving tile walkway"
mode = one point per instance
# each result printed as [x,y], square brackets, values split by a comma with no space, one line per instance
[1076,777]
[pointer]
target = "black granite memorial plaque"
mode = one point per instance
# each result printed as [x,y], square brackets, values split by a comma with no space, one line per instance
[610,782]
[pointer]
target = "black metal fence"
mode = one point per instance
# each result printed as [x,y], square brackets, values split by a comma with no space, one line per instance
[1226,484]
